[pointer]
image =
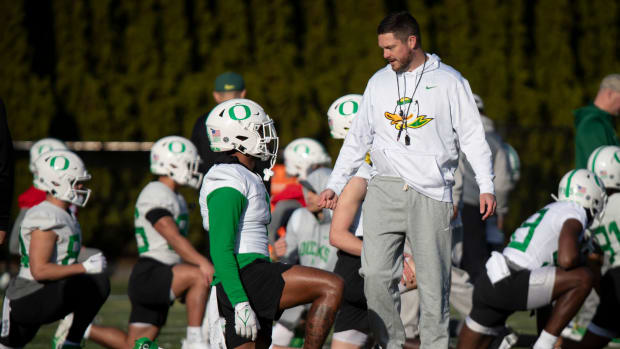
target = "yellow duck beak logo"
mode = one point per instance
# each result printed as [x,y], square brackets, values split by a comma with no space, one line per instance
[399,123]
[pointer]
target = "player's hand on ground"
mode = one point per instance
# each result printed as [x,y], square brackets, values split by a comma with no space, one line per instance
[207,271]
[487,205]
[328,199]
[408,279]
[245,321]
[280,247]
[95,264]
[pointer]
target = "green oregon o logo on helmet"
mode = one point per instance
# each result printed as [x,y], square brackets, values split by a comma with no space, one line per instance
[234,116]
[176,147]
[57,164]
[306,148]
[353,109]
[45,148]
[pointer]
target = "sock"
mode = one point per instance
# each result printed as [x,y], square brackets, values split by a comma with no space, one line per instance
[545,341]
[87,332]
[194,334]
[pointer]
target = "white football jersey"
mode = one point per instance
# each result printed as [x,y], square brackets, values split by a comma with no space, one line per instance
[607,233]
[252,228]
[150,242]
[47,216]
[535,243]
[356,227]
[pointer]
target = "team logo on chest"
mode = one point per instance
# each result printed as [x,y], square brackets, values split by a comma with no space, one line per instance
[401,122]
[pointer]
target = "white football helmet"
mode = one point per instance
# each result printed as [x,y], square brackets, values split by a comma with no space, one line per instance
[242,125]
[302,154]
[178,158]
[341,113]
[514,161]
[59,172]
[605,162]
[44,145]
[585,188]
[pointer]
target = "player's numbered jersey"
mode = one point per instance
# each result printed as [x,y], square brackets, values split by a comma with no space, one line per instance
[252,229]
[535,243]
[49,217]
[150,243]
[607,233]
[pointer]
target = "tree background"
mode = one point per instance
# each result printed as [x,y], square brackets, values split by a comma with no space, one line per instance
[140,70]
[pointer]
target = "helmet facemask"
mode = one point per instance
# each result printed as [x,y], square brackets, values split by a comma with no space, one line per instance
[77,196]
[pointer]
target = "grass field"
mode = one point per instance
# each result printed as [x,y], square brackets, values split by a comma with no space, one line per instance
[115,312]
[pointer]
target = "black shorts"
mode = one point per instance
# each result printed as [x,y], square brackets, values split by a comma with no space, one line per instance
[149,291]
[493,304]
[263,283]
[83,294]
[353,314]
[608,308]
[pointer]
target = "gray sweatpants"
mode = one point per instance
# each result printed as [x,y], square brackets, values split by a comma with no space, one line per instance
[393,212]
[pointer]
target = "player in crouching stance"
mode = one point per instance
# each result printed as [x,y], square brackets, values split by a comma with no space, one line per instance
[50,283]
[169,267]
[540,265]
[252,292]
[605,162]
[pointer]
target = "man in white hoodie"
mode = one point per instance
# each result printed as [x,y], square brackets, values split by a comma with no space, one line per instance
[413,113]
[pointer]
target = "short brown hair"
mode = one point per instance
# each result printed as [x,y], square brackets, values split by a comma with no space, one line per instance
[401,24]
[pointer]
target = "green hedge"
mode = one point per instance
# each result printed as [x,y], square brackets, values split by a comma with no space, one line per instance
[140,70]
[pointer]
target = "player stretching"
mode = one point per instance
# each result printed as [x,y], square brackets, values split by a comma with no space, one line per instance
[605,162]
[169,267]
[50,283]
[252,292]
[540,265]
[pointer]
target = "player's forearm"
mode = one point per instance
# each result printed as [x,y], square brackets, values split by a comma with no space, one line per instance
[188,253]
[51,271]
[346,241]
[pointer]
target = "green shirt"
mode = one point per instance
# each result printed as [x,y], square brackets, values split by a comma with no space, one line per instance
[593,128]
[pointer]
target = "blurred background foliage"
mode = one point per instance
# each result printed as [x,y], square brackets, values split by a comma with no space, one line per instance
[140,70]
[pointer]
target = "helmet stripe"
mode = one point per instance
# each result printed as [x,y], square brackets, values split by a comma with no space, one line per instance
[594,162]
[570,177]
[616,156]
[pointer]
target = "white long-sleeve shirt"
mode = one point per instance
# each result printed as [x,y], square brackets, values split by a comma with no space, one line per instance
[441,113]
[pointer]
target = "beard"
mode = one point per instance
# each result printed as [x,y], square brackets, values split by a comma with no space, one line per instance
[404,63]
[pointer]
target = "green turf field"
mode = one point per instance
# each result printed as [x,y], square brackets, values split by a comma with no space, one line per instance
[115,312]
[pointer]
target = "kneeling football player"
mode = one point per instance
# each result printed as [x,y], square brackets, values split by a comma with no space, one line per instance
[540,265]
[252,292]
[169,267]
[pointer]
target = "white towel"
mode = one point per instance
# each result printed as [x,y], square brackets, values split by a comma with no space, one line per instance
[497,269]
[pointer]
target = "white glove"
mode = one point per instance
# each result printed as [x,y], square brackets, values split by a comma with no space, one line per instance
[95,264]
[245,321]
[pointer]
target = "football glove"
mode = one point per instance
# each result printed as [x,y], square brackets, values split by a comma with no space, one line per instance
[95,264]
[245,321]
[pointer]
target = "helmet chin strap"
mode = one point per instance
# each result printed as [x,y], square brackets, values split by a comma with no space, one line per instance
[267,173]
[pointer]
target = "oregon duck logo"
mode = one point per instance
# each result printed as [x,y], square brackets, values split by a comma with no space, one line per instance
[399,123]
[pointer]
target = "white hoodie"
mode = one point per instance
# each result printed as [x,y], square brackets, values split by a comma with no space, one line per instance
[447,117]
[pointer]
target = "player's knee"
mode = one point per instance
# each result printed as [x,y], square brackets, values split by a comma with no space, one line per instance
[586,278]
[581,279]
[335,287]
[198,280]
